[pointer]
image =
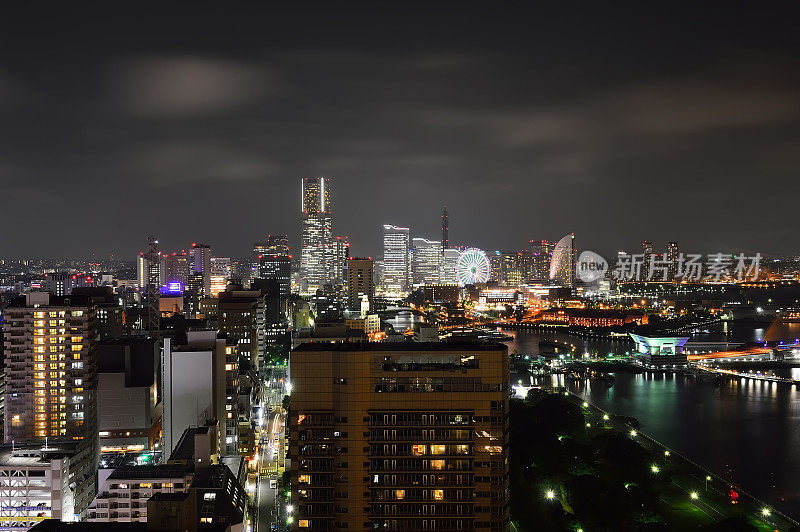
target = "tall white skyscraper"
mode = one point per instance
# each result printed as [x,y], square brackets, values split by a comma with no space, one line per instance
[395,259]
[425,261]
[447,268]
[317,254]
[562,265]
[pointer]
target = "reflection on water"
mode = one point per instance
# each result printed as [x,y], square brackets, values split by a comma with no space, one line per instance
[746,431]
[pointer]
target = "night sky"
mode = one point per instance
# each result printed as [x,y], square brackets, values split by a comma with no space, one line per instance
[665,121]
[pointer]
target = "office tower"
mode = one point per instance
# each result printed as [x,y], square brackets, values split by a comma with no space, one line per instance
[142,267]
[279,268]
[221,273]
[359,282]
[174,268]
[240,313]
[395,259]
[512,268]
[193,294]
[426,261]
[200,262]
[127,393]
[647,253]
[541,254]
[316,256]
[272,245]
[445,229]
[196,376]
[672,257]
[341,252]
[51,369]
[447,272]
[400,436]
[562,264]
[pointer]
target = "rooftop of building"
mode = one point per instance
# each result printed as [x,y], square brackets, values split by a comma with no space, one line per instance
[35,453]
[148,472]
[55,525]
[403,346]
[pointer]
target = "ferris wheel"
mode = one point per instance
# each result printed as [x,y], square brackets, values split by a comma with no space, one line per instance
[472,267]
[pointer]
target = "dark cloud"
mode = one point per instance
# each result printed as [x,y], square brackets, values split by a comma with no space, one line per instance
[527,121]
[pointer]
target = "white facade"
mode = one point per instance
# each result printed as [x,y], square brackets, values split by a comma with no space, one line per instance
[395,260]
[193,385]
[447,270]
[122,493]
[317,259]
[426,261]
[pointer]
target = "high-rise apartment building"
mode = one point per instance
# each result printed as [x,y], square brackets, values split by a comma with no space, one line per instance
[240,314]
[51,369]
[426,261]
[316,256]
[647,254]
[395,259]
[279,268]
[399,436]
[359,282]
[200,262]
[672,257]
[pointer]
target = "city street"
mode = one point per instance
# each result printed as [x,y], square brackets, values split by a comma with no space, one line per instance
[270,460]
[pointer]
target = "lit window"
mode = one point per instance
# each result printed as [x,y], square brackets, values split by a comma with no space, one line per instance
[437,449]
[400,494]
[437,464]
[438,495]
[418,450]
[303,523]
[209,496]
[304,479]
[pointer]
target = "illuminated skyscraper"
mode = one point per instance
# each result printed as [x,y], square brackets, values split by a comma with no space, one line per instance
[200,262]
[425,261]
[395,259]
[562,265]
[272,245]
[647,252]
[51,368]
[447,268]
[672,257]
[541,254]
[174,268]
[341,252]
[445,229]
[316,257]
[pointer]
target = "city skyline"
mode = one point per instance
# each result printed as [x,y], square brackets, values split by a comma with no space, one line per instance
[535,134]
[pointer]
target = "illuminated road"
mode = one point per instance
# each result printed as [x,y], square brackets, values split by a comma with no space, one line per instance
[269,454]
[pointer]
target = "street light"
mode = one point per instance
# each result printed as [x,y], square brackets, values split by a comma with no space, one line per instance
[633,433]
[666,453]
[605,417]
[708,477]
[765,512]
[289,508]
[585,404]
[654,468]
[694,495]
[549,495]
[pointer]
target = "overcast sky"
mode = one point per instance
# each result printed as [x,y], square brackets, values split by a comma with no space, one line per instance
[664,122]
